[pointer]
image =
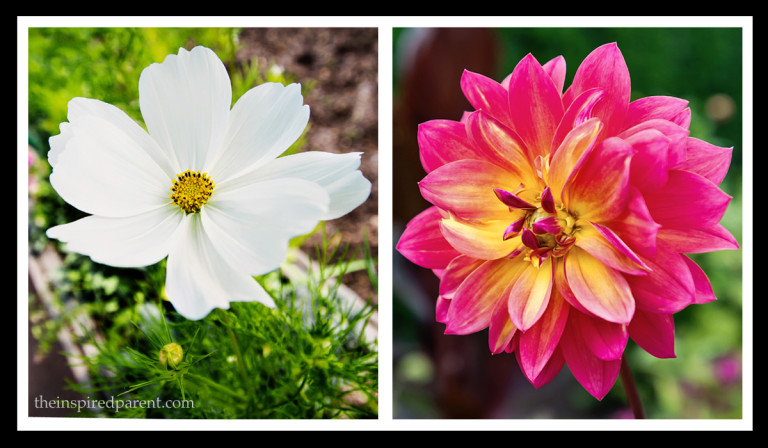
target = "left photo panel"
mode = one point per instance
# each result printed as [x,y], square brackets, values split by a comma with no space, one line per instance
[202,223]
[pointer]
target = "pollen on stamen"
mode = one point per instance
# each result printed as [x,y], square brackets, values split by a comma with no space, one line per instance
[191,190]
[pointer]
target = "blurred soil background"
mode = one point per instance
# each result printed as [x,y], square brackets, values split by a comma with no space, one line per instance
[341,65]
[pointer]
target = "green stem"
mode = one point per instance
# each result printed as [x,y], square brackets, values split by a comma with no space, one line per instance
[238,355]
[214,385]
[628,381]
[291,398]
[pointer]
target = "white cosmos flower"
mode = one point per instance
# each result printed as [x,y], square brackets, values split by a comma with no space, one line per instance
[234,204]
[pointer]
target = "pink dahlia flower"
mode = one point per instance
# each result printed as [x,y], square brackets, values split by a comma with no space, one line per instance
[560,220]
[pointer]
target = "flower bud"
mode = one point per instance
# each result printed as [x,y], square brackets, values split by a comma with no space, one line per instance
[171,354]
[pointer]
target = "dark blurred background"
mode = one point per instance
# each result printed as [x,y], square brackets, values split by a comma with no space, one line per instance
[443,376]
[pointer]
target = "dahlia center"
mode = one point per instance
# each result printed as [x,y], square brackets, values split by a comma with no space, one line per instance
[552,230]
[191,190]
[544,228]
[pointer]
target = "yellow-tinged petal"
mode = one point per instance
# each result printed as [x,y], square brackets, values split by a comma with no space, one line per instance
[482,240]
[466,189]
[540,341]
[474,304]
[602,243]
[600,289]
[529,297]
[599,189]
[571,154]
[500,145]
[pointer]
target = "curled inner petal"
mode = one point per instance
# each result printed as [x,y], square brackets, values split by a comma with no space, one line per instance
[512,200]
[513,229]
[529,239]
[546,225]
[547,201]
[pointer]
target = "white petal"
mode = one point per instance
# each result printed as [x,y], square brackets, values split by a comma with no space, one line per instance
[263,123]
[294,206]
[347,193]
[83,107]
[198,279]
[58,142]
[132,241]
[337,173]
[101,169]
[185,103]
[254,247]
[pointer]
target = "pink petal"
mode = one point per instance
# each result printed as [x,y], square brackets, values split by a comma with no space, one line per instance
[443,141]
[703,292]
[534,105]
[668,288]
[423,244]
[687,201]
[577,113]
[603,291]
[602,243]
[441,309]
[457,271]
[650,163]
[537,345]
[571,155]
[530,293]
[487,95]
[706,160]
[555,68]
[599,190]
[635,225]
[476,299]
[498,144]
[664,107]
[550,369]
[597,376]
[654,332]
[561,284]
[676,134]
[606,340]
[501,330]
[466,189]
[694,241]
[604,68]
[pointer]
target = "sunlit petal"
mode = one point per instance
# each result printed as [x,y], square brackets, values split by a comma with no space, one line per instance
[600,289]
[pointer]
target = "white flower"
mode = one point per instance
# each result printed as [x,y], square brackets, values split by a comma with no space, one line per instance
[204,186]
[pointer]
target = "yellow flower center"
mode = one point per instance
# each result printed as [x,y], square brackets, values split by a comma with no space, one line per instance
[190,190]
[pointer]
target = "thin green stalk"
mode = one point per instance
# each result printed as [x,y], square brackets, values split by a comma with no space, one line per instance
[214,385]
[238,355]
[628,381]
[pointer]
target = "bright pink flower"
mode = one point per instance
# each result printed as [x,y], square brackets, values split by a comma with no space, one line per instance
[560,220]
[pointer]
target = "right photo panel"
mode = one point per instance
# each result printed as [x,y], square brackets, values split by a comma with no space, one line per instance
[567,207]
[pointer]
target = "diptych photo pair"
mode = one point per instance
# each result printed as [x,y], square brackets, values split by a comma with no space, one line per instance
[385,224]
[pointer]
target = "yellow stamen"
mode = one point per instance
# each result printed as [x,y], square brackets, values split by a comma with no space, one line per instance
[191,189]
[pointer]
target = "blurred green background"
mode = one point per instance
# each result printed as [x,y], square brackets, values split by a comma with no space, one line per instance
[440,376]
